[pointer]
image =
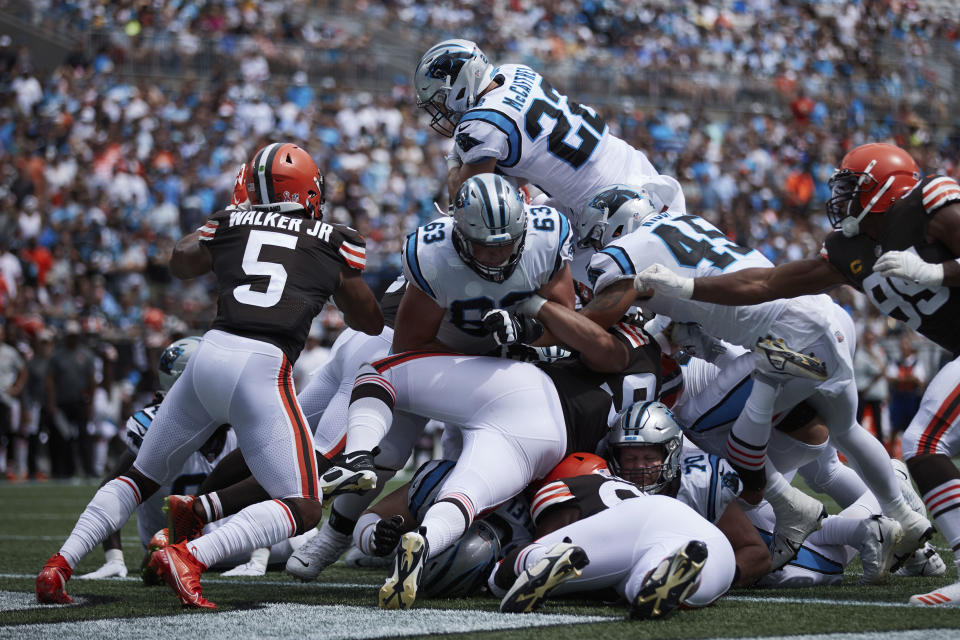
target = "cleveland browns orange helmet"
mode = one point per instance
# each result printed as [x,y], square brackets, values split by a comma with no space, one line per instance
[283,174]
[869,179]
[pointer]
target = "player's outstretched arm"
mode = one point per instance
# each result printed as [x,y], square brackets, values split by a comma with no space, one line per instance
[598,348]
[753,286]
[190,257]
[360,308]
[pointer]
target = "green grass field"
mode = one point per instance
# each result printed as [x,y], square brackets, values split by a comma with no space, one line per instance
[37,517]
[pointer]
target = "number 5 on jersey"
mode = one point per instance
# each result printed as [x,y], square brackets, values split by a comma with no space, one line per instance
[253,266]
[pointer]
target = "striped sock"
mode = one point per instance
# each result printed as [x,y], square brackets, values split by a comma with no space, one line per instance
[260,525]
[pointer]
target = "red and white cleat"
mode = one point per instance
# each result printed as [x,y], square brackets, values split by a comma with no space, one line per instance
[181,571]
[52,581]
[183,524]
[948,596]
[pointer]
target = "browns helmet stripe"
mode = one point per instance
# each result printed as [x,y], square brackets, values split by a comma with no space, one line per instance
[263,170]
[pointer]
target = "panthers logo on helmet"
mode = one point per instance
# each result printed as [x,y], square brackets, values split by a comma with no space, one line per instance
[614,198]
[448,65]
[169,357]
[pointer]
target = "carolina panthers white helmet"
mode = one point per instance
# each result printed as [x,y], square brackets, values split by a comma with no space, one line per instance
[613,211]
[642,424]
[448,79]
[174,359]
[489,212]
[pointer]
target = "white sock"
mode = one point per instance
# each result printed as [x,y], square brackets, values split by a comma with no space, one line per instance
[109,509]
[747,442]
[867,455]
[828,475]
[837,531]
[260,525]
[529,556]
[369,420]
[445,523]
[363,532]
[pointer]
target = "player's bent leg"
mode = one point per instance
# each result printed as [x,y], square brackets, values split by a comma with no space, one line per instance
[109,509]
[866,454]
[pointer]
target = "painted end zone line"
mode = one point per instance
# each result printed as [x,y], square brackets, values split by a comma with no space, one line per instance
[359,585]
[822,601]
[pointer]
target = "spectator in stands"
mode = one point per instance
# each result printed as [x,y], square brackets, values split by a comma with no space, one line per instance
[70,382]
[870,368]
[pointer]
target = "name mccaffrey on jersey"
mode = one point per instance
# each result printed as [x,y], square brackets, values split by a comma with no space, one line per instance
[522,85]
[267,218]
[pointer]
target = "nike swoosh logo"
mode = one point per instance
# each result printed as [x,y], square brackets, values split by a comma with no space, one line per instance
[305,564]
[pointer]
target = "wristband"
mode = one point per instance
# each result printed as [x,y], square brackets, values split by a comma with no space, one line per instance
[531,306]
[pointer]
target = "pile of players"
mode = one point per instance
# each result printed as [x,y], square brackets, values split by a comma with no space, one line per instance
[601,361]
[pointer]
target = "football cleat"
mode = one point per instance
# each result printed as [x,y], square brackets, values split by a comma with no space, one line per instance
[51,586]
[562,562]
[793,525]
[676,578]
[183,524]
[181,571]
[916,531]
[774,357]
[159,540]
[948,596]
[356,475]
[878,537]
[925,562]
[400,589]
[318,553]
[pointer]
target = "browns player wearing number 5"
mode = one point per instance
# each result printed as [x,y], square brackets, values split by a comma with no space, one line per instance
[276,264]
[897,241]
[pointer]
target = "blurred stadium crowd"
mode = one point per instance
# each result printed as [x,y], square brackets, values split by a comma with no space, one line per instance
[103,166]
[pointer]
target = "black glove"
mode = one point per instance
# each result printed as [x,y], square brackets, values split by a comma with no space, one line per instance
[386,535]
[508,328]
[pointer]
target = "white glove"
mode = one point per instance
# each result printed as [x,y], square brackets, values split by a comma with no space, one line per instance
[910,267]
[662,280]
[112,568]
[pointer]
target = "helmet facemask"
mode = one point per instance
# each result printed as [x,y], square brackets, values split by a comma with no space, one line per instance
[448,80]
[844,208]
[493,273]
[645,424]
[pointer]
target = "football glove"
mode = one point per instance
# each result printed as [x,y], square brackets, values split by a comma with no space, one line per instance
[663,281]
[386,535]
[508,328]
[910,267]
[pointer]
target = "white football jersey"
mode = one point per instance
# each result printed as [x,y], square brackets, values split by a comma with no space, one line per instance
[708,483]
[564,148]
[692,247]
[431,262]
[150,518]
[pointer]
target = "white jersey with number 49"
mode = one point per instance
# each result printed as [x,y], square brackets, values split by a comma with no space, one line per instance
[432,264]
[692,247]
[541,136]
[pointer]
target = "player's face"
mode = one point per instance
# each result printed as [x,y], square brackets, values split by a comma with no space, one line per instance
[641,457]
[492,256]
